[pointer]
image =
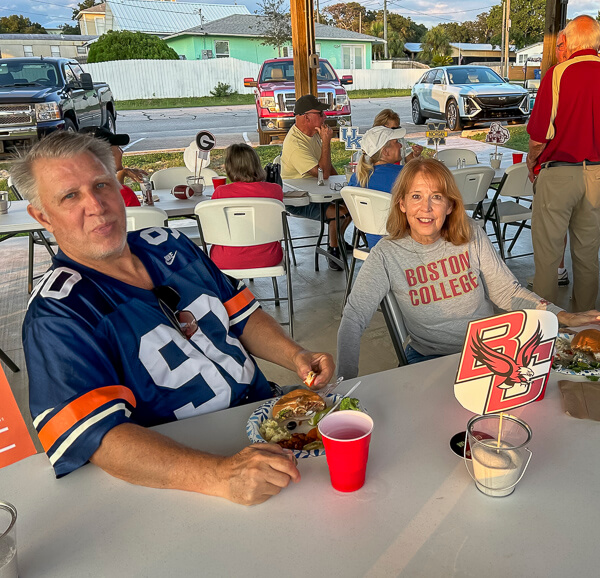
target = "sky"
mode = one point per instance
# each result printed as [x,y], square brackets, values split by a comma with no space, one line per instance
[55,12]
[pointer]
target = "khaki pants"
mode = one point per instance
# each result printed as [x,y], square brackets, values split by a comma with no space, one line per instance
[567,198]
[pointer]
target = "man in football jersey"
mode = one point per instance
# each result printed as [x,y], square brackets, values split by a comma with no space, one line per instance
[127,331]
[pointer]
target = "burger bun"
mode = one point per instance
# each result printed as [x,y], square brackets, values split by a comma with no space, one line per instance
[586,341]
[297,404]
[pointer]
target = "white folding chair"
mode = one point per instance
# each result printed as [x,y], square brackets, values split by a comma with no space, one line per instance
[516,184]
[247,222]
[451,156]
[473,184]
[168,178]
[369,210]
[144,217]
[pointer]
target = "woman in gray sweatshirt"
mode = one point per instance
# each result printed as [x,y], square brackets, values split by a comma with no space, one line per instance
[440,266]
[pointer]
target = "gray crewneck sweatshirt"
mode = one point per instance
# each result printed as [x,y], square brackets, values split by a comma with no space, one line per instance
[440,288]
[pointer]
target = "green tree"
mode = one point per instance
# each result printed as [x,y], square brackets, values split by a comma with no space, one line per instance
[14,24]
[408,30]
[125,45]
[435,43]
[277,29]
[527,22]
[479,29]
[66,28]
[84,5]
[346,15]
[395,41]
[457,32]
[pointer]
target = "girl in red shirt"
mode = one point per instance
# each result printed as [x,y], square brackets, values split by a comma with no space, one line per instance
[247,180]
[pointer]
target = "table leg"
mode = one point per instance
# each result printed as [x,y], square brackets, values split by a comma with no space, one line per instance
[340,236]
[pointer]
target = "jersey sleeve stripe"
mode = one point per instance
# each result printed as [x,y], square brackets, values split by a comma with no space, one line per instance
[78,409]
[38,420]
[237,303]
[245,314]
[72,437]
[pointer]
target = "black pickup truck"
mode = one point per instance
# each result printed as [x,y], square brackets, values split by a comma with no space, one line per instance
[41,95]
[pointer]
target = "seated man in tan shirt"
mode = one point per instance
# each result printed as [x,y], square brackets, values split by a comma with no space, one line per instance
[307,147]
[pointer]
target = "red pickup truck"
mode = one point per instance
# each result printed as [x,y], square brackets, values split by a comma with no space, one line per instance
[275,97]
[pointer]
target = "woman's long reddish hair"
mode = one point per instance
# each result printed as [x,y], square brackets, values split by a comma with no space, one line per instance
[456,228]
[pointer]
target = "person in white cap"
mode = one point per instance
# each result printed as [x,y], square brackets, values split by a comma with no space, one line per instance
[377,168]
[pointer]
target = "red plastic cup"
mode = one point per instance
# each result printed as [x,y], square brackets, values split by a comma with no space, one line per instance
[517,158]
[218,181]
[346,437]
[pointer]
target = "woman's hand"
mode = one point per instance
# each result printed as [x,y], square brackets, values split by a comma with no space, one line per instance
[579,319]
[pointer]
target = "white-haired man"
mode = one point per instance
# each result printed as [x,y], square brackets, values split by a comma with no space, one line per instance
[127,331]
[565,151]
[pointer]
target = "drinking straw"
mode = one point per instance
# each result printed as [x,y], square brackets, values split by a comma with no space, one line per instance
[499,430]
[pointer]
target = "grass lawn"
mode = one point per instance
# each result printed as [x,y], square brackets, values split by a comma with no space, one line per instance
[237,99]
[519,139]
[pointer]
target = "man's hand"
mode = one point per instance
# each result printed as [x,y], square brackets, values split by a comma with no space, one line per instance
[325,132]
[535,150]
[417,150]
[256,473]
[579,319]
[321,363]
[136,175]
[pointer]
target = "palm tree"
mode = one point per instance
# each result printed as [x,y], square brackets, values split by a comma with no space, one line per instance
[435,43]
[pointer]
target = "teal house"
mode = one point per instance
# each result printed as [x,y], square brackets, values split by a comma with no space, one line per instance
[241,36]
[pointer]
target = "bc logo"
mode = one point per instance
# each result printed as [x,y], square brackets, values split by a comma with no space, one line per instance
[506,361]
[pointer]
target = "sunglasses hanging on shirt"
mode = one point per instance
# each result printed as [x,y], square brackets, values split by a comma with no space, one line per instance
[183,321]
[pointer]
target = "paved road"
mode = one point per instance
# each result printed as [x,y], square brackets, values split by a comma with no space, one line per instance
[175,128]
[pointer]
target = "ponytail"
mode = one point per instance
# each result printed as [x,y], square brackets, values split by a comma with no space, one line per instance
[365,167]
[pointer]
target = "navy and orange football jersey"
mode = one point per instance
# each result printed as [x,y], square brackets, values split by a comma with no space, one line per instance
[101,352]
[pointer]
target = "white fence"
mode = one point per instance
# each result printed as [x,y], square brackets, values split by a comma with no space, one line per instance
[132,79]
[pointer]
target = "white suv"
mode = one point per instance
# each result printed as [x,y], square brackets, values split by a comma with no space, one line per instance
[464,95]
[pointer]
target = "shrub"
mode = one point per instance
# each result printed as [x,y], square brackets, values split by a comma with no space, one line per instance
[223,89]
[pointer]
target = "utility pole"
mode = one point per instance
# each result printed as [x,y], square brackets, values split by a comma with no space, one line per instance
[318,13]
[502,44]
[507,39]
[385,48]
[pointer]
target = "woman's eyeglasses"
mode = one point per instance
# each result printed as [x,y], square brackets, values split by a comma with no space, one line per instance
[183,321]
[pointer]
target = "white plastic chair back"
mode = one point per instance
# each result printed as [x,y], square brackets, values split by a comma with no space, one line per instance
[168,178]
[241,222]
[516,182]
[277,160]
[450,156]
[208,174]
[143,217]
[473,183]
[368,208]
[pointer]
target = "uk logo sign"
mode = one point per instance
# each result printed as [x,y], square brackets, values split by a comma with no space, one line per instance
[351,138]
[506,361]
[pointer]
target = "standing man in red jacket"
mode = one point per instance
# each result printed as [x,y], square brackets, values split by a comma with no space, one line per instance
[564,147]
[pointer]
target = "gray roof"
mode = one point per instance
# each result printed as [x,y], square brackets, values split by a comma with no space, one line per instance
[166,17]
[255,25]
[53,37]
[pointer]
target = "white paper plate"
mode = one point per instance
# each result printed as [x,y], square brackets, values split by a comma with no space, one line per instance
[263,412]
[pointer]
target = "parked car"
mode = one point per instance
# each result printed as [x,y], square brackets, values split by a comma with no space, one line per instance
[41,95]
[465,95]
[275,94]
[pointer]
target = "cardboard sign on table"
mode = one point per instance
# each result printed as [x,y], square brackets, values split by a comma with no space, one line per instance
[498,134]
[15,441]
[436,134]
[506,360]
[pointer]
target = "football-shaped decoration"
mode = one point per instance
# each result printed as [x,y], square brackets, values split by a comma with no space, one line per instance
[182,192]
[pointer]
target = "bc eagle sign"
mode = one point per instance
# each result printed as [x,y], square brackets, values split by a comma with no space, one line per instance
[506,360]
